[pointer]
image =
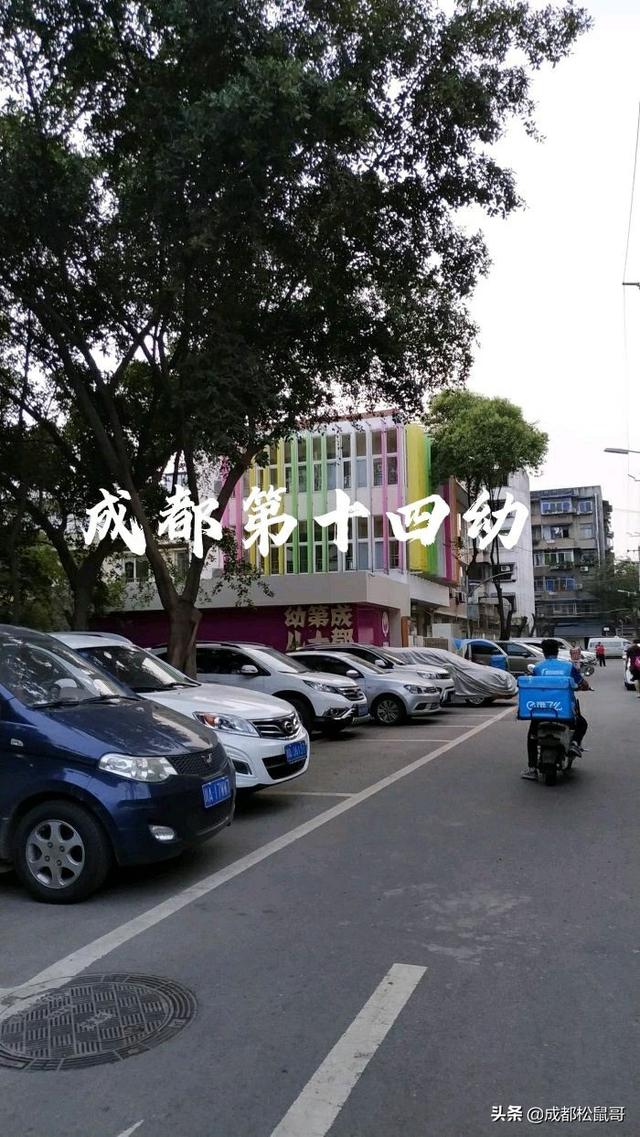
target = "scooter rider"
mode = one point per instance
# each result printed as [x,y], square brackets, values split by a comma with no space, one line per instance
[554,666]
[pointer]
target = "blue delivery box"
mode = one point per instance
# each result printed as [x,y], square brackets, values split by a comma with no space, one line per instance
[546,697]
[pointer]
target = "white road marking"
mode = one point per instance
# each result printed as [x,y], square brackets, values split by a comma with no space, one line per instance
[310,793]
[128,1132]
[315,1110]
[73,964]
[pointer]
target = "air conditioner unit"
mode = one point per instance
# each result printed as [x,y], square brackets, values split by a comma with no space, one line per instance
[579,587]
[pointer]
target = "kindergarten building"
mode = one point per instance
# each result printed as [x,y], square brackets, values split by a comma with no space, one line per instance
[380,590]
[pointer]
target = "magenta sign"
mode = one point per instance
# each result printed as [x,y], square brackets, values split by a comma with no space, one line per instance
[283,627]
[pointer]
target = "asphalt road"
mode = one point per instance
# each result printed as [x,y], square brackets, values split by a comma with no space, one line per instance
[400,943]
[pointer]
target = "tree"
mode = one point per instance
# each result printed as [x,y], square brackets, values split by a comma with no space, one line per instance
[257,201]
[615,585]
[482,442]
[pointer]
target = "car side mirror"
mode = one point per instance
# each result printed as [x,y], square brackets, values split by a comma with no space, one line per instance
[353,674]
[381,663]
[248,669]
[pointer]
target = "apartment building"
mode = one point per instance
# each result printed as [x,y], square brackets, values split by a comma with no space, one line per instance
[516,565]
[571,535]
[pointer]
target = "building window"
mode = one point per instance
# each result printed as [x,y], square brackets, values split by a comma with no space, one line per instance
[332,464]
[586,532]
[538,560]
[361,460]
[332,558]
[559,583]
[563,609]
[303,546]
[392,456]
[562,505]
[136,568]
[555,532]
[288,477]
[394,554]
[345,446]
[377,471]
[302,465]
[585,506]
[536,532]
[559,558]
[537,584]
[318,542]
[274,561]
[378,544]
[363,542]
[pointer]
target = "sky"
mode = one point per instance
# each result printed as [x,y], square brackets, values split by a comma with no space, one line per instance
[559,335]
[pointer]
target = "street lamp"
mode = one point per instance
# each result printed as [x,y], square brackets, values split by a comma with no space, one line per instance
[618,450]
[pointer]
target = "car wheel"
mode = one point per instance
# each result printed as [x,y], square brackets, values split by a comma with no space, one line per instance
[388,710]
[61,852]
[304,711]
[476,701]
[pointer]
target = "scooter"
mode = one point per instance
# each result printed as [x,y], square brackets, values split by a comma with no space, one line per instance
[555,751]
[548,703]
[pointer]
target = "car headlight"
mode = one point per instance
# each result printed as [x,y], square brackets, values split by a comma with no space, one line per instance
[225,722]
[320,686]
[137,769]
[415,690]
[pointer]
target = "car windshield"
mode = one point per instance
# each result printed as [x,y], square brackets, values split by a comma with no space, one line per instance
[365,664]
[42,672]
[270,657]
[406,659]
[138,669]
[391,657]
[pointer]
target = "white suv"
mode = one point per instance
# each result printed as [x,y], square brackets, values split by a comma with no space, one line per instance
[262,736]
[322,701]
[392,695]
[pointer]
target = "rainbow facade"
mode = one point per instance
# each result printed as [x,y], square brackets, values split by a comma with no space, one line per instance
[377,462]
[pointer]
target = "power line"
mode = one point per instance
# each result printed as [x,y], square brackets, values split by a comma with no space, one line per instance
[633,189]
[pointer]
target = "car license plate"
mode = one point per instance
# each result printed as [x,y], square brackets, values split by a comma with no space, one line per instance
[294,751]
[363,709]
[216,791]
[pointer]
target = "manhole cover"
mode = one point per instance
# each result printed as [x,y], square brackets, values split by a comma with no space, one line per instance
[95,1019]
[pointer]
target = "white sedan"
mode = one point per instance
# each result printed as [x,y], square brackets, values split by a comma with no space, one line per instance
[261,734]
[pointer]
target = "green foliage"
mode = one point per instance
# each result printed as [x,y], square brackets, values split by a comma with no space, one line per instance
[216,219]
[482,441]
[616,586]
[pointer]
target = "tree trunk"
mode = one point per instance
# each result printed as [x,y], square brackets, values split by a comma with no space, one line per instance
[184,620]
[83,584]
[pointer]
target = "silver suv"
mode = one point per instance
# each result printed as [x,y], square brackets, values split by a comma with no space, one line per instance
[392,696]
[323,702]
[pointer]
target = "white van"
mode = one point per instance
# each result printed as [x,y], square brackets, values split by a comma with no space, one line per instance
[614,646]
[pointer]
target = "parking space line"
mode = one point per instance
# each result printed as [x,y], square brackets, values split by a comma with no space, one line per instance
[128,1132]
[316,1108]
[311,793]
[63,970]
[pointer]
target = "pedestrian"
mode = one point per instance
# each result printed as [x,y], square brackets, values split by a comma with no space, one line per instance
[601,654]
[633,659]
[575,655]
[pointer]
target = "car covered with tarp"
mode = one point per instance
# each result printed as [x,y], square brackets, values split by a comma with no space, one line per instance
[474,682]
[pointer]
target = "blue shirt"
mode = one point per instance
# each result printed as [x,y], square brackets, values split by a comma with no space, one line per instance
[556,666]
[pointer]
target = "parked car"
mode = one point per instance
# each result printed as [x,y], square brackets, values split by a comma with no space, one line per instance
[614,646]
[485,652]
[565,647]
[262,735]
[321,701]
[91,774]
[392,659]
[474,683]
[520,656]
[392,696]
